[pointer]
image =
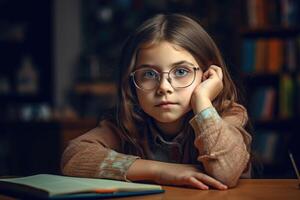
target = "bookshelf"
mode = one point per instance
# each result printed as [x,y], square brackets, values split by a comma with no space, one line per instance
[26,56]
[270,66]
[26,79]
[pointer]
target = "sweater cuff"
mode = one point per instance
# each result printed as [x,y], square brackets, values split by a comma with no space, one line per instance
[207,118]
[115,165]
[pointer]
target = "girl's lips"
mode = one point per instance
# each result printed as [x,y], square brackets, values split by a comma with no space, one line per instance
[165,104]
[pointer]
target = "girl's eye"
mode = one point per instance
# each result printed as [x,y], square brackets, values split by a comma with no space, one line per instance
[150,74]
[181,71]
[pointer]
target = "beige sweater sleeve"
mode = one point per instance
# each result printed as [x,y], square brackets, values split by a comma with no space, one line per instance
[223,143]
[95,154]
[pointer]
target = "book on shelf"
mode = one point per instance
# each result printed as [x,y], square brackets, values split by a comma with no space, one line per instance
[270,55]
[292,50]
[289,12]
[275,55]
[260,56]
[265,145]
[263,101]
[286,97]
[261,13]
[248,55]
[262,104]
[47,186]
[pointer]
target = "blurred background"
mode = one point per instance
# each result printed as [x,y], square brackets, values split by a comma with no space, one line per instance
[58,69]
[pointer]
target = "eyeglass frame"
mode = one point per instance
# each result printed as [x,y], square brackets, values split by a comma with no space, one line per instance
[195,69]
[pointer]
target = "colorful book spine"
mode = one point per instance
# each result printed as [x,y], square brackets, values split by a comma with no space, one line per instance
[271,56]
[261,56]
[291,55]
[286,97]
[289,12]
[263,104]
[265,145]
[248,56]
[275,55]
[262,13]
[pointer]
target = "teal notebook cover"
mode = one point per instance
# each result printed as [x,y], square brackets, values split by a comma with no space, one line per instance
[47,186]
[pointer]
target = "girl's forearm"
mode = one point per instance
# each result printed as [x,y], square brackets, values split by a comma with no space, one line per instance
[171,174]
[201,104]
[143,170]
[223,144]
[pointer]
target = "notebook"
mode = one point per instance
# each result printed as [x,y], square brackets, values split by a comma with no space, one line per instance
[47,186]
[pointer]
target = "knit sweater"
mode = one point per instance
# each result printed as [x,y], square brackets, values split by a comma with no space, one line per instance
[220,145]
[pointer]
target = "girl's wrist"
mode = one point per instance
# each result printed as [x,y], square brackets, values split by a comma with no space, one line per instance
[153,171]
[137,170]
[156,172]
[201,104]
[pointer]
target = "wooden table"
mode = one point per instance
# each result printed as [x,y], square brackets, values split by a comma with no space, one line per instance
[248,189]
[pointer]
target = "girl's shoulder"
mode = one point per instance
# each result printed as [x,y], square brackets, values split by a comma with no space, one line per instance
[108,127]
[105,133]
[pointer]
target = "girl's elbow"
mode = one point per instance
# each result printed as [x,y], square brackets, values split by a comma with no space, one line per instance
[231,183]
[69,171]
[233,174]
[229,180]
[68,168]
[65,170]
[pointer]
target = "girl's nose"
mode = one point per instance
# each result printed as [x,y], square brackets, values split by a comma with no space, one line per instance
[164,86]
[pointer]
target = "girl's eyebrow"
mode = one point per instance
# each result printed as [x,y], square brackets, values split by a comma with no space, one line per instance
[172,65]
[183,62]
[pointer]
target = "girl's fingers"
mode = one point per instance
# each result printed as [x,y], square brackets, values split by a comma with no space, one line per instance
[204,76]
[211,181]
[197,183]
[218,70]
[210,73]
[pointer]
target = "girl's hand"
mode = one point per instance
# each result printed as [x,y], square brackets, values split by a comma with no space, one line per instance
[209,88]
[185,175]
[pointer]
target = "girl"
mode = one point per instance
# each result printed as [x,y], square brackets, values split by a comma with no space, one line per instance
[177,121]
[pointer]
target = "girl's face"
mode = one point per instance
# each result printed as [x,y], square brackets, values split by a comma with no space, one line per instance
[165,103]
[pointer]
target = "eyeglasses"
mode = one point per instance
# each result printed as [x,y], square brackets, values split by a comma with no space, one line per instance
[149,79]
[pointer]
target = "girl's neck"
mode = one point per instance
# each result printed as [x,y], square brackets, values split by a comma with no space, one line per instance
[170,130]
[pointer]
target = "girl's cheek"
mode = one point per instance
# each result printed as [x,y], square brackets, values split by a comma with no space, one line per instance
[200,77]
[188,93]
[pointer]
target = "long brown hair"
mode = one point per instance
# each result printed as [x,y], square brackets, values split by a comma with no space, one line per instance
[179,30]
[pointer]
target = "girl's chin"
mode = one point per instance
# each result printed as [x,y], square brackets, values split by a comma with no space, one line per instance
[166,119]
